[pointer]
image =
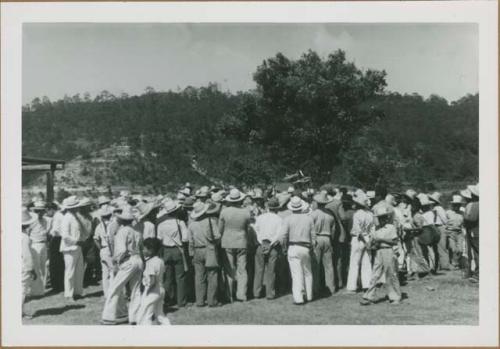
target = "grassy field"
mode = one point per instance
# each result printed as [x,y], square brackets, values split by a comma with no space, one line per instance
[437,300]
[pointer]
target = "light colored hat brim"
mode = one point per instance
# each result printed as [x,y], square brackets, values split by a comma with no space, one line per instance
[200,213]
[302,207]
[327,200]
[29,221]
[359,202]
[474,190]
[241,198]
[150,207]
[172,210]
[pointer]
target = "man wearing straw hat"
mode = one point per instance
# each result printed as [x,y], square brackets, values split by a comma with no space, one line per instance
[71,247]
[324,225]
[128,267]
[38,232]
[471,222]
[145,216]
[104,242]
[267,228]
[440,222]
[362,226]
[382,241]
[300,236]
[455,230]
[173,233]
[204,237]
[234,223]
[28,271]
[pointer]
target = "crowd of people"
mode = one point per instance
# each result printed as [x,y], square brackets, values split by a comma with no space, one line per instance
[214,246]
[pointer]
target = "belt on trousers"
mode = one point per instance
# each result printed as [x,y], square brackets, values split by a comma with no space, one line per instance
[171,246]
[299,243]
[200,246]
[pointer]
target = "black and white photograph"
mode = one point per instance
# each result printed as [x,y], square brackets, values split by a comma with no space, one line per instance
[253,173]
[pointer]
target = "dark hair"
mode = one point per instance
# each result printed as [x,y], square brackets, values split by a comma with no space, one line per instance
[51,206]
[152,244]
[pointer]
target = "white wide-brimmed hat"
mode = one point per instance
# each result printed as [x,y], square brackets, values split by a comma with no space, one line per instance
[474,189]
[127,214]
[235,195]
[424,199]
[297,204]
[466,193]
[322,198]
[390,199]
[410,194]
[102,200]
[199,208]
[27,217]
[39,205]
[370,194]
[456,199]
[106,210]
[70,202]
[436,197]
[84,202]
[142,209]
[170,205]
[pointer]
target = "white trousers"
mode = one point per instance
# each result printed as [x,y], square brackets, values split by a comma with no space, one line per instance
[107,269]
[299,259]
[360,261]
[39,253]
[115,308]
[151,308]
[74,268]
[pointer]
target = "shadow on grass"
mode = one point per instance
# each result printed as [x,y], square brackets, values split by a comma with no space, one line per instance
[58,311]
[94,294]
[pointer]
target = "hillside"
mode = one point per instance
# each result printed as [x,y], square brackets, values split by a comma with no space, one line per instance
[323,116]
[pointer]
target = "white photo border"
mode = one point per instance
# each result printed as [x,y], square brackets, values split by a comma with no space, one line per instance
[13,15]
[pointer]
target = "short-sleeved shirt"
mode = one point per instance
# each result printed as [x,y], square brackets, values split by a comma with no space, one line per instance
[268,227]
[155,266]
[71,232]
[363,223]
[324,223]
[455,221]
[127,241]
[39,230]
[440,215]
[233,227]
[146,228]
[203,231]
[172,232]
[299,227]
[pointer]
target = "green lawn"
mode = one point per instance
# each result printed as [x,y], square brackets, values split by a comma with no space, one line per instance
[437,300]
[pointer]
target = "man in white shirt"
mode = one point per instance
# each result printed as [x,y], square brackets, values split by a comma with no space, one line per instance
[71,247]
[267,228]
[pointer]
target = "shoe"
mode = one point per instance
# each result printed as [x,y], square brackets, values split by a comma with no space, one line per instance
[395,302]
[474,280]
[200,305]
[28,316]
[303,303]
[240,300]
[214,305]
[366,302]
[350,292]
[107,322]
[77,297]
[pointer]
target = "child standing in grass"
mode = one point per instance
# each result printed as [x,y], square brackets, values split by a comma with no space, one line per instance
[383,240]
[151,308]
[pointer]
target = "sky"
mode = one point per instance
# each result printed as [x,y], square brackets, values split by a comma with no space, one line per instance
[69,58]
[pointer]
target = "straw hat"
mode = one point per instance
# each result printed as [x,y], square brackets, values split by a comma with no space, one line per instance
[170,206]
[106,210]
[125,194]
[39,205]
[424,200]
[180,196]
[283,198]
[297,204]
[213,208]
[185,191]
[390,199]
[456,199]
[85,202]
[474,189]
[436,197]
[102,200]
[234,196]
[381,210]
[199,208]
[27,217]
[142,209]
[322,198]
[361,199]
[219,196]
[126,214]
[290,190]
[466,193]
[70,202]
[410,194]
[203,192]
[370,194]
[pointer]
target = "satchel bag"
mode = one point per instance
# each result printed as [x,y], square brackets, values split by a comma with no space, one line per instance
[211,260]
[430,234]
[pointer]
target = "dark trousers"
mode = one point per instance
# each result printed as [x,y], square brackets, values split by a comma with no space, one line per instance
[473,253]
[56,265]
[265,272]
[341,255]
[205,279]
[175,276]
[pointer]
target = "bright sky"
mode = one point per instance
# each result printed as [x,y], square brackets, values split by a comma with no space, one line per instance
[61,59]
